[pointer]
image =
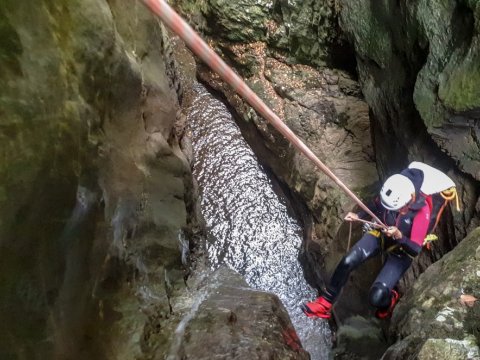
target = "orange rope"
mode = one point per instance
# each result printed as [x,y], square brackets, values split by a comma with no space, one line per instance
[202,50]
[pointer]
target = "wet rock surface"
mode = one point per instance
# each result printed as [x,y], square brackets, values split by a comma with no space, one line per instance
[301,31]
[250,224]
[360,338]
[404,65]
[435,319]
[98,203]
[94,251]
[411,60]
[233,321]
[324,108]
[91,245]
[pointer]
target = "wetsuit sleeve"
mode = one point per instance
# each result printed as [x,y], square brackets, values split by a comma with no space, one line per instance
[414,244]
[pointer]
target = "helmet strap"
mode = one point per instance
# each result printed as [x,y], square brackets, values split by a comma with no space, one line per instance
[405,208]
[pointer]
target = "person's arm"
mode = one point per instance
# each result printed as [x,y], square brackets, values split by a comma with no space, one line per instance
[414,244]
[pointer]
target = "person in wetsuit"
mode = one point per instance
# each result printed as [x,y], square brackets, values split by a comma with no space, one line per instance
[406,212]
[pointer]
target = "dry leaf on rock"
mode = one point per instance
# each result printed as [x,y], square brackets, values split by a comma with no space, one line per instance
[468,300]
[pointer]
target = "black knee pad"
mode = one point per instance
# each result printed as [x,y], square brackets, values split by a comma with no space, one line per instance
[380,295]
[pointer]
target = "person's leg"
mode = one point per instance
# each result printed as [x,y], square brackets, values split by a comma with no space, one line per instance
[382,293]
[364,249]
[367,247]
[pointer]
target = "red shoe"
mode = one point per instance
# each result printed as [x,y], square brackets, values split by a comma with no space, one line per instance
[387,313]
[321,308]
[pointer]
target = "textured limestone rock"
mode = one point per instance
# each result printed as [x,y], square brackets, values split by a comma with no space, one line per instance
[226,319]
[406,54]
[418,64]
[324,110]
[360,338]
[242,20]
[449,349]
[430,48]
[432,321]
[301,31]
[88,102]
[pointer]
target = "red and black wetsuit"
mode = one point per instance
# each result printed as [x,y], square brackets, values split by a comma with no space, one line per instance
[413,224]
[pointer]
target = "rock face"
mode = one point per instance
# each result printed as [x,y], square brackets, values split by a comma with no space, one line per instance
[90,242]
[324,108]
[333,124]
[438,47]
[417,64]
[96,197]
[229,320]
[416,68]
[436,319]
[98,208]
[304,31]
[411,59]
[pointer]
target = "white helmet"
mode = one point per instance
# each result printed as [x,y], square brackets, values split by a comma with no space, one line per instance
[396,192]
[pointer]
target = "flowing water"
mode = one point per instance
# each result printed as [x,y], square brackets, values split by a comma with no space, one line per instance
[249,226]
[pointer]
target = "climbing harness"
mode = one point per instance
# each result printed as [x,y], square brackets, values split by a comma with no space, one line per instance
[438,190]
[203,51]
[370,223]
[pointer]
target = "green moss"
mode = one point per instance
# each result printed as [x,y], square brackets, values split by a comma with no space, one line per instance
[192,7]
[310,27]
[10,46]
[472,325]
[434,349]
[238,21]
[461,90]
[433,114]
[366,23]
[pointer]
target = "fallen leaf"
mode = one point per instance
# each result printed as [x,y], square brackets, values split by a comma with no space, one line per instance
[468,300]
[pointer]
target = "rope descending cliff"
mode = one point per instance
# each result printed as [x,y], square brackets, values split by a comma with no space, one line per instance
[202,50]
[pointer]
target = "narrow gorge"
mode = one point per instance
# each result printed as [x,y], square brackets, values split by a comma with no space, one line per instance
[148,212]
